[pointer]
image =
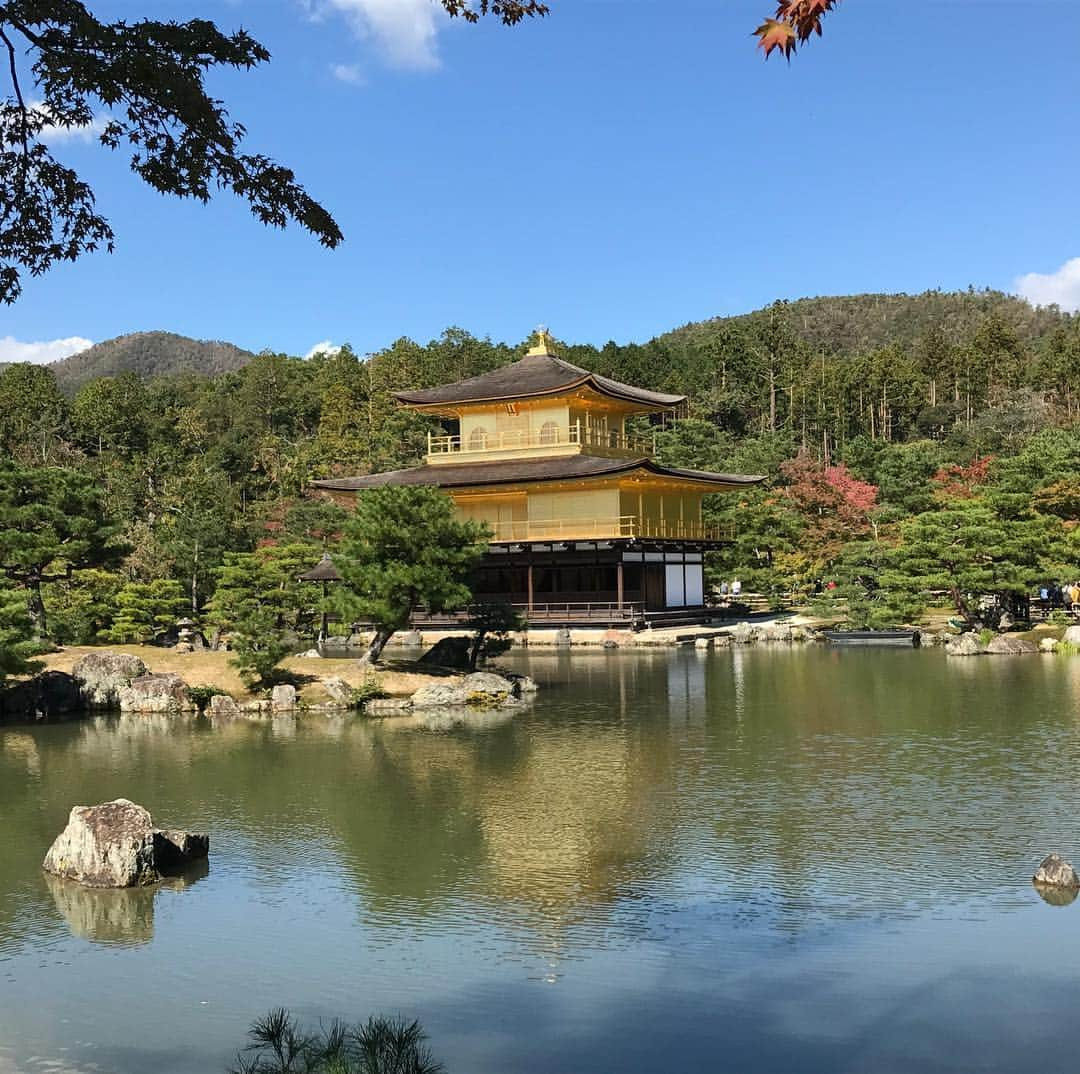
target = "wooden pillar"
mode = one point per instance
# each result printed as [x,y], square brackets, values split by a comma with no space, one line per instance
[530,584]
[619,574]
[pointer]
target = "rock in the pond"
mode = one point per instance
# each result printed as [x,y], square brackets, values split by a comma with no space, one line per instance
[743,633]
[438,695]
[101,677]
[1056,872]
[1071,635]
[563,638]
[283,698]
[115,845]
[486,688]
[965,645]
[157,693]
[311,654]
[175,850]
[448,653]
[1048,645]
[1009,644]
[223,705]
[48,696]
[526,685]
[481,689]
[339,691]
[703,643]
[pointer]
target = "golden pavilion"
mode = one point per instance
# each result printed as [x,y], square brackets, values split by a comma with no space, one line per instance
[587,527]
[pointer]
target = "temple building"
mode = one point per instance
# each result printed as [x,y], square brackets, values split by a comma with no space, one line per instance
[587,527]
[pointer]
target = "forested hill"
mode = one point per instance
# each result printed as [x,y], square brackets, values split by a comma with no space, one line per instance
[848,324]
[148,354]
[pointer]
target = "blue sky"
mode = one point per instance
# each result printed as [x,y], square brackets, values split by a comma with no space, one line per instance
[615,170]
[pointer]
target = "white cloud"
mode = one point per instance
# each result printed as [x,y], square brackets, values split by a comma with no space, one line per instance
[54,135]
[1061,288]
[52,350]
[405,31]
[347,72]
[326,345]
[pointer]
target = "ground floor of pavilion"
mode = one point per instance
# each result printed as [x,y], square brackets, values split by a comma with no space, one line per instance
[593,583]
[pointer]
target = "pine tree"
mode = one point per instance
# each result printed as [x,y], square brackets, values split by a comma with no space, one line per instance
[250,605]
[16,633]
[51,520]
[402,549]
[144,610]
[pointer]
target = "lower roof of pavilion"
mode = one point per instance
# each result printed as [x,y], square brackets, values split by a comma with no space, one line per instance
[528,471]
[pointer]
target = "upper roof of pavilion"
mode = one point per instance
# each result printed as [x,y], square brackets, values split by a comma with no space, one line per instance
[540,373]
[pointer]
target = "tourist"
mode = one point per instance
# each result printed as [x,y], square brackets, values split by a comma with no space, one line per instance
[736,588]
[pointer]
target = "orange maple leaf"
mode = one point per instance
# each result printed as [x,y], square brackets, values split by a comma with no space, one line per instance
[775,34]
[795,22]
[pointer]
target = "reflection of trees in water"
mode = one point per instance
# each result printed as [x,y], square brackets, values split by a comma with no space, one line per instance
[785,781]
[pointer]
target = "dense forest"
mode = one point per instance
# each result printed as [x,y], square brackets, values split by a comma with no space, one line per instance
[916,448]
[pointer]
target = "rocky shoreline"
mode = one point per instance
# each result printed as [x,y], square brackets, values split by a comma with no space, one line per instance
[107,681]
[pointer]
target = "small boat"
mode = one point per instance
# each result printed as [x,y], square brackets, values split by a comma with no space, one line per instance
[905,639]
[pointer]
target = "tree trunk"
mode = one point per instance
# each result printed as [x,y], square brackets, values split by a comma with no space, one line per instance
[378,643]
[476,648]
[36,606]
[961,606]
[195,582]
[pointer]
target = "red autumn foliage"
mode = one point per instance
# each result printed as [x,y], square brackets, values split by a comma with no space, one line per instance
[962,482]
[796,22]
[834,502]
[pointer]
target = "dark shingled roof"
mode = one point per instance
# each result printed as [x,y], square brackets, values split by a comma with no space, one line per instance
[323,571]
[466,475]
[535,374]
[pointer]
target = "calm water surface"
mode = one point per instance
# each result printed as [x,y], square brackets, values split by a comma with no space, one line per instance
[761,860]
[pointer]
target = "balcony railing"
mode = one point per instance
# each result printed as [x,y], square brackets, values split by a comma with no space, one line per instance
[621,527]
[552,436]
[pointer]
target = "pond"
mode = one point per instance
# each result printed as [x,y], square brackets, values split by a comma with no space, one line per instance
[753,860]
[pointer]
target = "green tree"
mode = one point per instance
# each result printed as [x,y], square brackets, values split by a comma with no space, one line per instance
[404,548]
[966,550]
[110,414]
[17,643]
[860,598]
[195,526]
[81,606]
[491,624]
[250,604]
[51,520]
[33,413]
[144,610]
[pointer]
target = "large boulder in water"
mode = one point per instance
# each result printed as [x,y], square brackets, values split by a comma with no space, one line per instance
[482,689]
[448,653]
[966,645]
[1056,872]
[101,677]
[157,693]
[115,845]
[1071,636]
[49,696]
[1009,644]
